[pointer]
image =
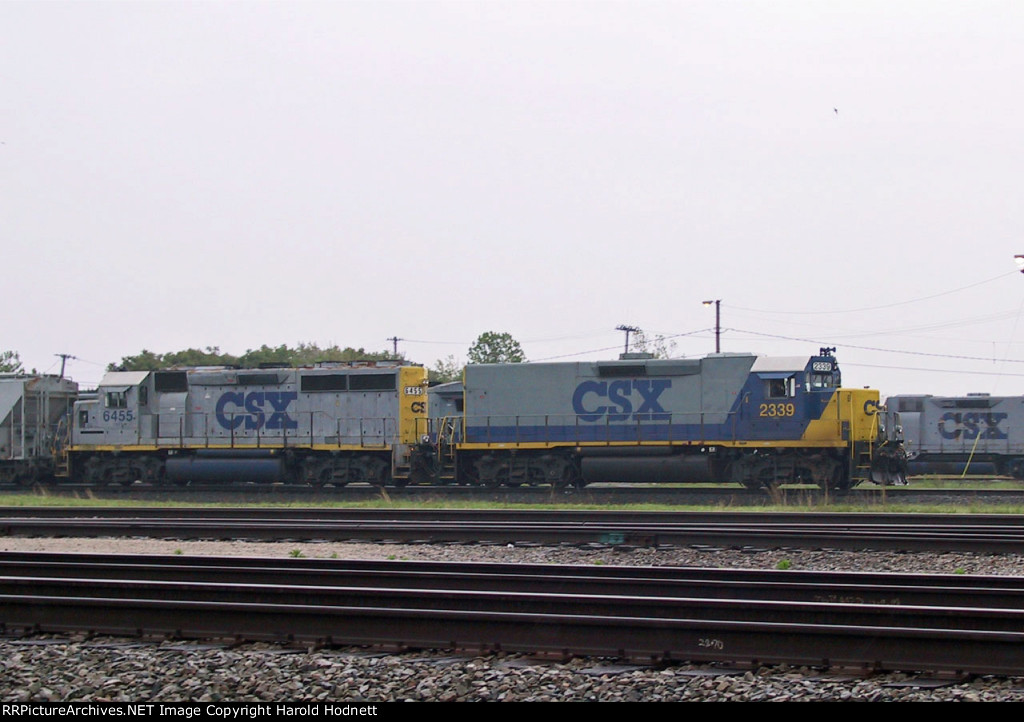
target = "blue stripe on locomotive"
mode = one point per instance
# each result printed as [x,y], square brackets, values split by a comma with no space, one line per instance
[624,410]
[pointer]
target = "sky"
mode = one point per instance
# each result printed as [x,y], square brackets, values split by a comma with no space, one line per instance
[231,174]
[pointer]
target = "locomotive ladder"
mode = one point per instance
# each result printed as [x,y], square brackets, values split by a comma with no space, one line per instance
[446,446]
[863,454]
[62,463]
[61,442]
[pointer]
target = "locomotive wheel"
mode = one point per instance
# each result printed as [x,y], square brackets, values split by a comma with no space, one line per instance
[571,479]
[380,475]
[489,472]
[834,479]
[325,477]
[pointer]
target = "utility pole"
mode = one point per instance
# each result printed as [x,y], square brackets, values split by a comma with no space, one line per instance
[63,360]
[628,330]
[718,323]
[394,340]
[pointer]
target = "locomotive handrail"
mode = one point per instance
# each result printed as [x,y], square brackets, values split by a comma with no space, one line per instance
[506,429]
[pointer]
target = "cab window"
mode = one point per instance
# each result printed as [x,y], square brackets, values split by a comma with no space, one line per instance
[822,381]
[780,388]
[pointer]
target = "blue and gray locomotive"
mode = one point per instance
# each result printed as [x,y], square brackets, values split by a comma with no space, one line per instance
[754,420]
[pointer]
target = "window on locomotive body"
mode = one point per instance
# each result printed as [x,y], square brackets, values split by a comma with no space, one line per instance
[822,380]
[117,399]
[780,388]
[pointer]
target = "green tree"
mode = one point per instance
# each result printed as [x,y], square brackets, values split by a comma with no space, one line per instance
[145,360]
[10,362]
[305,354]
[210,356]
[496,348]
[444,371]
[659,346]
[148,361]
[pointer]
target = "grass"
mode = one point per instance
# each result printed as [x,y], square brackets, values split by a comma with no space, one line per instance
[792,502]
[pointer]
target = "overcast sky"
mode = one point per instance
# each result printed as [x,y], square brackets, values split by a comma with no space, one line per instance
[232,174]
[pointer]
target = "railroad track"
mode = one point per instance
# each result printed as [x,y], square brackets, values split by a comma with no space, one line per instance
[871,622]
[989,533]
[718,496]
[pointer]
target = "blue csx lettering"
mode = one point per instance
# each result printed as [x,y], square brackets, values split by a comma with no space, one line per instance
[972,425]
[252,404]
[619,394]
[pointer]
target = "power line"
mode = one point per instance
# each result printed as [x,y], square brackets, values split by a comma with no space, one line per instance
[612,348]
[876,308]
[960,372]
[882,350]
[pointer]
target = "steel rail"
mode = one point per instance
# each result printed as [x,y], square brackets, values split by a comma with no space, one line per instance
[860,587]
[684,627]
[772,518]
[952,532]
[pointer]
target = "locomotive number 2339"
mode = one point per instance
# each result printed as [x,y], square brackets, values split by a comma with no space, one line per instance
[777,410]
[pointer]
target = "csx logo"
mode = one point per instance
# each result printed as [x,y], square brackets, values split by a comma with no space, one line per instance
[235,408]
[971,425]
[621,395]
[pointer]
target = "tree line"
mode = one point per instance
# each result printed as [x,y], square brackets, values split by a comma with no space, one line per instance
[489,347]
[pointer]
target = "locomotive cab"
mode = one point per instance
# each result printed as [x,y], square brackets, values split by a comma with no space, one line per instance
[110,427]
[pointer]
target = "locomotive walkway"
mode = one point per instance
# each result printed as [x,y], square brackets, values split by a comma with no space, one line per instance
[904,532]
[871,622]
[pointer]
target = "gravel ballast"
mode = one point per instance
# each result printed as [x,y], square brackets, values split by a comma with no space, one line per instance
[65,669]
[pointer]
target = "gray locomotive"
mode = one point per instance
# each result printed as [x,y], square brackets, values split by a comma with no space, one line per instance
[974,434]
[333,423]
